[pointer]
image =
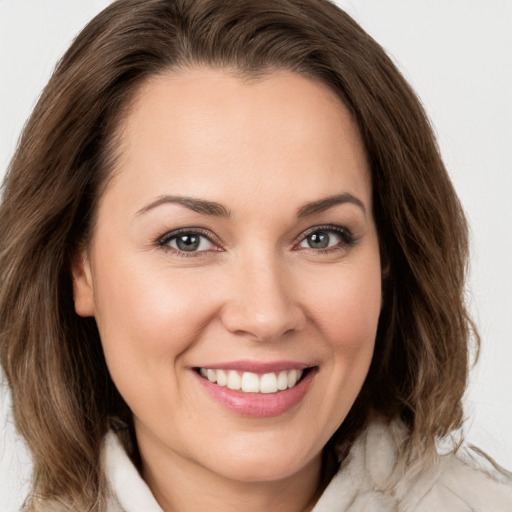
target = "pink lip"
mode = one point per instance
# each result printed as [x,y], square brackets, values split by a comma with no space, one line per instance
[258,405]
[259,367]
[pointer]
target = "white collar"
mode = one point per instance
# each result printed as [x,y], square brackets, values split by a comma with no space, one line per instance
[124,480]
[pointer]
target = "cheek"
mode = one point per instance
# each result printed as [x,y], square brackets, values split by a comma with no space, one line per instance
[148,319]
[347,307]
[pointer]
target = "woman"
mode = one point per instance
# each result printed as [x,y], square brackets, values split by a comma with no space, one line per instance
[243,247]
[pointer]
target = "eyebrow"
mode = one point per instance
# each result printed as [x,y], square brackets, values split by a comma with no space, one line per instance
[328,202]
[197,205]
[217,210]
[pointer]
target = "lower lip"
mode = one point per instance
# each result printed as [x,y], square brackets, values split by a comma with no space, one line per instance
[259,405]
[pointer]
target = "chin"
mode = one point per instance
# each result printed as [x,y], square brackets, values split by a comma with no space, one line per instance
[269,468]
[263,458]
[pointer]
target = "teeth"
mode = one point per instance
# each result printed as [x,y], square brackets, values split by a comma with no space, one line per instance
[282,381]
[250,382]
[268,383]
[293,377]
[222,378]
[234,380]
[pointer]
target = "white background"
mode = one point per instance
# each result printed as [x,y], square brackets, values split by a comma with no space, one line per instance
[458,56]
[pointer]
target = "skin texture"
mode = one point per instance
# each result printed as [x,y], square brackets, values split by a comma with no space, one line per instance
[254,291]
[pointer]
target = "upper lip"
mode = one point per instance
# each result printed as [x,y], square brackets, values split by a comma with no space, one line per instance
[258,366]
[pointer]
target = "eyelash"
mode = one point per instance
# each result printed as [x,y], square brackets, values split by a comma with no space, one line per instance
[347,237]
[164,240]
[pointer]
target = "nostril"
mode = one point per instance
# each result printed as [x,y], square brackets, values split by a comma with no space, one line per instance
[270,324]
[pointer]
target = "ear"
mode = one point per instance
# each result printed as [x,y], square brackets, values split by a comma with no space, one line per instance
[83,290]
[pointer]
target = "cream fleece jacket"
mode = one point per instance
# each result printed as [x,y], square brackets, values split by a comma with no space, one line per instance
[370,480]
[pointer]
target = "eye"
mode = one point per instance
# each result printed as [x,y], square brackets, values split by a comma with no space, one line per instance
[187,241]
[326,237]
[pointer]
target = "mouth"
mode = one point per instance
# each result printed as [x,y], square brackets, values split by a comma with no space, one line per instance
[251,382]
[257,390]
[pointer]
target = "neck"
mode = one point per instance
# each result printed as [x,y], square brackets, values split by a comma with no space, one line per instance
[182,485]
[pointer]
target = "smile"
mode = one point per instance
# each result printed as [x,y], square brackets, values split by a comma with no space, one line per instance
[257,390]
[250,382]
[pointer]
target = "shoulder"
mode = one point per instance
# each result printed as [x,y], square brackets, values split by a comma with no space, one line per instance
[373,480]
[467,481]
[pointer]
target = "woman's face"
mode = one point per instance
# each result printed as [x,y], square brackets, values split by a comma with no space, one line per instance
[236,243]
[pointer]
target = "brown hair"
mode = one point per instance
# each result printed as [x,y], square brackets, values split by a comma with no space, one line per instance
[63,396]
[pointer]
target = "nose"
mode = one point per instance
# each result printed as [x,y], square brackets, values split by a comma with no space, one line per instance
[263,302]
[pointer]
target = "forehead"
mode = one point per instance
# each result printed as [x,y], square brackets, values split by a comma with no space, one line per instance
[209,133]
